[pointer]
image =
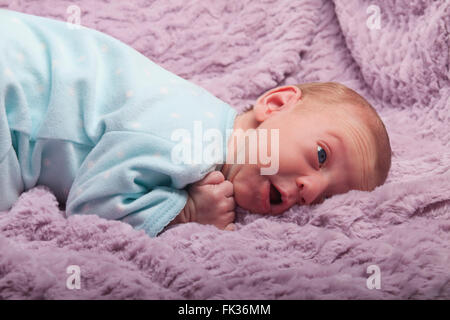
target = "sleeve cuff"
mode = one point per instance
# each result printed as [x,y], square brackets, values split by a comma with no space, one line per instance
[154,224]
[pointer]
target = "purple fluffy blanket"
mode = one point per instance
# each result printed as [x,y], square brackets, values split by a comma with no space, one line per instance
[395,55]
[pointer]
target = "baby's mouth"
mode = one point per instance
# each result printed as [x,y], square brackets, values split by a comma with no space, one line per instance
[274,195]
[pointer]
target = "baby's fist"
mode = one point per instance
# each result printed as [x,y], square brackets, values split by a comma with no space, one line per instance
[213,201]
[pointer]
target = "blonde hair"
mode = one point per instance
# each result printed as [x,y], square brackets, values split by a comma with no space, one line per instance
[335,97]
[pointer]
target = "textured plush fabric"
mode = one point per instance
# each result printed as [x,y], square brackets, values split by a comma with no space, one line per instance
[237,50]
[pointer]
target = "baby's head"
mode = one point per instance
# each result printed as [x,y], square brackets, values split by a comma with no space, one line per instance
[330,141]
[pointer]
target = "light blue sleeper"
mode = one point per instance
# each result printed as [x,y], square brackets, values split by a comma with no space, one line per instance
[93,119]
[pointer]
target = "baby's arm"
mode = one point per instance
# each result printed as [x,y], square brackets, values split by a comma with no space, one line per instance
[210,201]
[122,179]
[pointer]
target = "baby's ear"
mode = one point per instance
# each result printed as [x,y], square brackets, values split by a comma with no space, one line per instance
[276,100]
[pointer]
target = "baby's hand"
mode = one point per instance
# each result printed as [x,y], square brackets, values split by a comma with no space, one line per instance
[212,201]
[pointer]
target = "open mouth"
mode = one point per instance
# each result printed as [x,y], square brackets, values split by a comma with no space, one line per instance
[275,195]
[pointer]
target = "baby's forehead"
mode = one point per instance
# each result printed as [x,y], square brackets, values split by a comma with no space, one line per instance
[346,110]
[340,118]
[345,129]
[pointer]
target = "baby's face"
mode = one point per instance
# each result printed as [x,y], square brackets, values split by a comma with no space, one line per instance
[318,157]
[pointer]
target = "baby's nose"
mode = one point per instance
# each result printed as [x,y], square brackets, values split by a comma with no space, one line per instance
[307,192]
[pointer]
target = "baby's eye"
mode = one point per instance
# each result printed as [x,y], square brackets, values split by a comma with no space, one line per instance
[322,155]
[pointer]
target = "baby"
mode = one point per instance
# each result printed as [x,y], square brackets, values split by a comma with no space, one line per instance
[331,141]
[102,126]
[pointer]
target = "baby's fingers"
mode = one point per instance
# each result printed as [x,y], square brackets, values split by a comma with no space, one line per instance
[230,227]
[214,177]
[225,188]
[227,205]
